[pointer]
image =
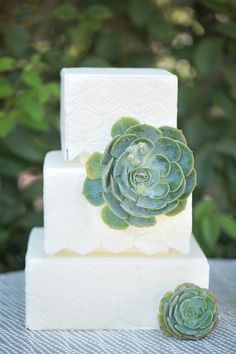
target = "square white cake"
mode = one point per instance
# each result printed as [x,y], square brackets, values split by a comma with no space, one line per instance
[103,291]
[72,223]
[92,99]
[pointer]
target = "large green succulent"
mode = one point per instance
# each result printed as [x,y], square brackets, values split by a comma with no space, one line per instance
[189,312]
[144,172]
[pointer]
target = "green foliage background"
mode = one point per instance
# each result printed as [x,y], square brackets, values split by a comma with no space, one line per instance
[194,39]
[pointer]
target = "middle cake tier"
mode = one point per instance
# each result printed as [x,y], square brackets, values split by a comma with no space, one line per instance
[72,223]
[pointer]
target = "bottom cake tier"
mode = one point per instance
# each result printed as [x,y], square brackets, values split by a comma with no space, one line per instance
[103,290]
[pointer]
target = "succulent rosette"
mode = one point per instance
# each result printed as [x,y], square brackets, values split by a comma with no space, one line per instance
[144,172]
[189,312]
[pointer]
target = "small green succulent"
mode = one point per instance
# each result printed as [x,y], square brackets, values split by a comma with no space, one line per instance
[144,172]
[189,312]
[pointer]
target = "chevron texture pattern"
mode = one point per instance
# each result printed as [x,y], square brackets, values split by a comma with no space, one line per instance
[72,223]
[91,103]
[103,291]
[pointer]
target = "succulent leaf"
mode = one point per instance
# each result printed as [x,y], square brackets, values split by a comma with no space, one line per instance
[173,133]
[132,209]
[168,148]
[161,164]
[189,312]
[122,125]
[165,209]
[121,144]
[107,175]
[149,203]
[145,131]
[186,159]
[177,194]
[126,192]
[114,205]
[175,177]
[161,190]
[141,222]
[120,165]
[94,168]
[92,190]
[115,190]
[149,144]
[180,207]
[163,326]
[112,220]
[145,172]
[107,153]
[191,182]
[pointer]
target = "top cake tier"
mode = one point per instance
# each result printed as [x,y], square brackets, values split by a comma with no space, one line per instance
[92,100]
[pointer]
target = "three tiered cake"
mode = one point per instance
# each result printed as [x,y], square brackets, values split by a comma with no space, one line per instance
[107,267]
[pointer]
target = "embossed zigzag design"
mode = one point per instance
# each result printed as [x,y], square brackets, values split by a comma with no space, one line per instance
[92,104]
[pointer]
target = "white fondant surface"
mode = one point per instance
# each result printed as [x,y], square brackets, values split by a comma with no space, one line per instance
[103,291]
[72,223]
[93,99]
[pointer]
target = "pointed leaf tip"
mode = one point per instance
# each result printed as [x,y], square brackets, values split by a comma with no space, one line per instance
[94,167]
[92,190]
[112,220]
[122,125]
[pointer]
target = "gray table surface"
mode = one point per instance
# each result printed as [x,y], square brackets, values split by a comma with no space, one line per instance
[14,338]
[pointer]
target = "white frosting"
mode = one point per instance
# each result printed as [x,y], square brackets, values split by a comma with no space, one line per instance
[93,99]
[103,291]
[71,222]
[102,278]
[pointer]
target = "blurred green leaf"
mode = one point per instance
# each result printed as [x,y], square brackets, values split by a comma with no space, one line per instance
[31,219]
[32,79]
[47,91]
[6,89]
[26,146]
[6,63]
[109,47]
[204,165]
[11,166]
[218,5]
[226,147]
[160,29]
[203,209]
[232,49]
[210,232]
[230,75]
[27,14]
[7,123]
[228,29]
[65,12]
[3,236]
[139,59]
[99,12]
[228,224]
[207,55]
[30,104]
[216,189]
[94,61]
[225,103]
[33,191]
[17,39]
[141,11]
[209,222]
